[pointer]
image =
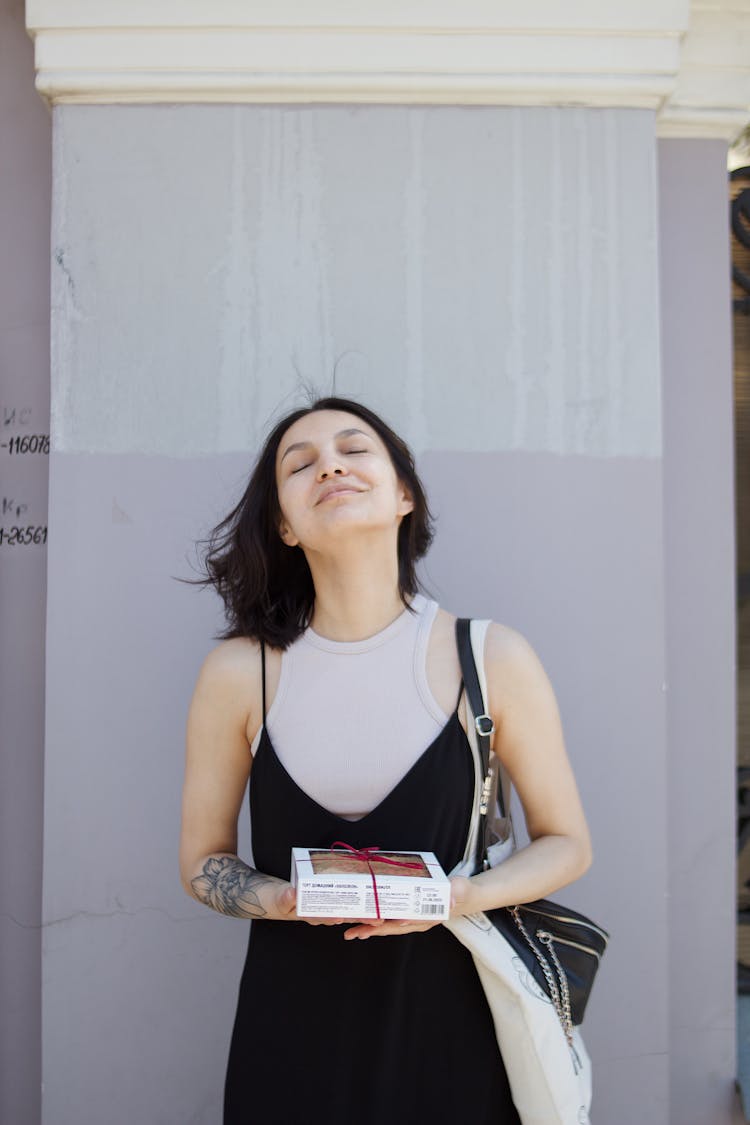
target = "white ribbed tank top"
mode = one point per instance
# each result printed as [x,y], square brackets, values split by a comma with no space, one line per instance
[350,718]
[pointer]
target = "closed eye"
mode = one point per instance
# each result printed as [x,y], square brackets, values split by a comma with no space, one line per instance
[347,452]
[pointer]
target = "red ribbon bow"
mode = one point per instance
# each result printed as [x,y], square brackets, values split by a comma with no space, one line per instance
[364,855]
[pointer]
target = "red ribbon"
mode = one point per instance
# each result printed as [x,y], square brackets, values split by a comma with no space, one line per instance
[364,855]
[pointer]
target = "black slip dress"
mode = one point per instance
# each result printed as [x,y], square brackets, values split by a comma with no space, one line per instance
[391,1029]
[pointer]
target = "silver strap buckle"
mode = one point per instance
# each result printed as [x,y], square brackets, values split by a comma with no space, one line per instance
[484,725]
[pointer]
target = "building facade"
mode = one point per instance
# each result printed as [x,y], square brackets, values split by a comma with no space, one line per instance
[506,228]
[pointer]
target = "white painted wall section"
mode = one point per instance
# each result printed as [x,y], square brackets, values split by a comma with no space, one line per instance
[509,300]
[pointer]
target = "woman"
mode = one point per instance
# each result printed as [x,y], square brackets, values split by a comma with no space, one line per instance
[337,692]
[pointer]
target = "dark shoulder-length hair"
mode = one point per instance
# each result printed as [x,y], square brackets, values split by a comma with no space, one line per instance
[267,587]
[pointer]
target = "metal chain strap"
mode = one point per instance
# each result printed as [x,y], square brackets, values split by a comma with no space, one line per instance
[548,939]
[562,1007]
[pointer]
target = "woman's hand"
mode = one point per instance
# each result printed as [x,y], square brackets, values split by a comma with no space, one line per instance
[461,903]
[382,927]
[282,907]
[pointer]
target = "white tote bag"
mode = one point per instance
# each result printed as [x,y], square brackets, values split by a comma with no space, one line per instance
[550,1077]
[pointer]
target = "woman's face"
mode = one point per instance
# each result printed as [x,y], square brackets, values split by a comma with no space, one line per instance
[334,475]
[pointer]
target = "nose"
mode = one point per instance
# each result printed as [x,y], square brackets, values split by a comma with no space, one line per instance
[330,466]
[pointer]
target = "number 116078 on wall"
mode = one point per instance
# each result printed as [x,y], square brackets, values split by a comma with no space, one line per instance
[28,443]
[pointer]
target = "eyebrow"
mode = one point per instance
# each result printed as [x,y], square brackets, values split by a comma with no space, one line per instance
[308,444]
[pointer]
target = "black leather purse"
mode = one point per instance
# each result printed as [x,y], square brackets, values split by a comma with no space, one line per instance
[561,948]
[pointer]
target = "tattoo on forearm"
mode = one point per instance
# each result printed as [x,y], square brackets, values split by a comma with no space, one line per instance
[228,885]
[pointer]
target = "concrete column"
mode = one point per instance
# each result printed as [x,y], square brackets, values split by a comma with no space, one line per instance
[25,188]
[700,619]
[505,318]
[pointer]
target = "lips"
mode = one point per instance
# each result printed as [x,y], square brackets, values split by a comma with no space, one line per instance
[335,489]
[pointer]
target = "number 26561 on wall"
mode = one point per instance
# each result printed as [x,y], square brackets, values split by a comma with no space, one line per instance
[22,536]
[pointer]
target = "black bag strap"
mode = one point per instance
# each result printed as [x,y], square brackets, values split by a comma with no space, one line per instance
[483,727]
[263,675]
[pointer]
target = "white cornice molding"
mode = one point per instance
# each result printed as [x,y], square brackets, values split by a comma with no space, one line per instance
[654,16]
[602,52]
[459,52]
[712,93]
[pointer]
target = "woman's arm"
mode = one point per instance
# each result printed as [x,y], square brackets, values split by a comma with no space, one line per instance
[528,740]
[217,768]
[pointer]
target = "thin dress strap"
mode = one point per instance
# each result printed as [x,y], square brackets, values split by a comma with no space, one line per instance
[461,684]
[263,676]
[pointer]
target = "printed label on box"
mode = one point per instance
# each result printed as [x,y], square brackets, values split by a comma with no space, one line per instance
[334,883]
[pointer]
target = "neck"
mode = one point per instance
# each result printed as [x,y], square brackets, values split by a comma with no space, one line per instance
[356,595]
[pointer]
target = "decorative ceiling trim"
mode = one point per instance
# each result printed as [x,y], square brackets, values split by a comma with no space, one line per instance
[586,16]
[688,64]
[720,124]
[711,97]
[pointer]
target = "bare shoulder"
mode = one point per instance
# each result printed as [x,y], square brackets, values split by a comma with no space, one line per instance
[517,685]
[230,681]
[231,666]
[232,657]
[512,666]
[515,673]
[505,645]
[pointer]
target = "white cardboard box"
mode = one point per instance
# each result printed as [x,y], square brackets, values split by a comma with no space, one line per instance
[335,884]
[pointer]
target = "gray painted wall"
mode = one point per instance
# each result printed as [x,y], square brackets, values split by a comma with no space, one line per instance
[487,277]
[700,605]
[25,188]
[573,560]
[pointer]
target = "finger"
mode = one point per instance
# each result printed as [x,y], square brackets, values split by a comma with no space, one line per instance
[364,927]
[365,932]
[314,921]
[387,929]
[354,932]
